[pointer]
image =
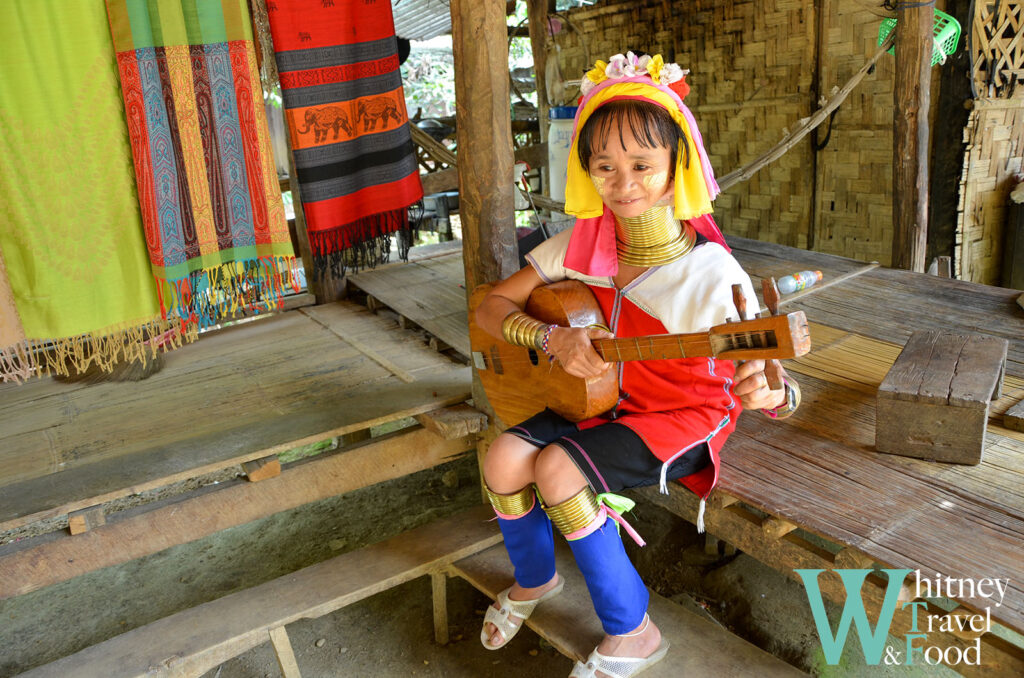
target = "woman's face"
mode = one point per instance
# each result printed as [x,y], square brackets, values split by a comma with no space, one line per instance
[629,177]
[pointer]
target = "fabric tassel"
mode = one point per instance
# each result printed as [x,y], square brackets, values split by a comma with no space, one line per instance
[365,243]
[700,516]
[102,349]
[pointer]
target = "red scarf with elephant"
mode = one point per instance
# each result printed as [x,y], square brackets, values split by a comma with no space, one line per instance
[345,108]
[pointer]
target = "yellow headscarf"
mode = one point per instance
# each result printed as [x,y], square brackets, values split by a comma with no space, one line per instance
[693,194]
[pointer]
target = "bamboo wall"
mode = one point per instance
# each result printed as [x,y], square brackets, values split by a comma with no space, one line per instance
[756,71]
[994,138]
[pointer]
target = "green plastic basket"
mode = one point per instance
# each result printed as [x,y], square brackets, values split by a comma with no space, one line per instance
[946,35]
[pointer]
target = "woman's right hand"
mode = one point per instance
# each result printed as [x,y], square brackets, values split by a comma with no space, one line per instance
[573,349]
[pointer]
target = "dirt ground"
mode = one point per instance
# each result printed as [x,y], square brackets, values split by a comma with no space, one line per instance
[391,634]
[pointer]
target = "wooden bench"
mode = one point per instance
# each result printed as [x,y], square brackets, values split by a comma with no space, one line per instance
[467,545]
[196,640]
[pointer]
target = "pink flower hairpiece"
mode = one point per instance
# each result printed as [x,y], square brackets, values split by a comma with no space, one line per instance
[629,65]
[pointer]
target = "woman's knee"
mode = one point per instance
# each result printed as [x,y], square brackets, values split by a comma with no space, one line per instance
[509,463]
[557,475]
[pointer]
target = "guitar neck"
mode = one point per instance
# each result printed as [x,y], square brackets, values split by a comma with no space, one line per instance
[739,345]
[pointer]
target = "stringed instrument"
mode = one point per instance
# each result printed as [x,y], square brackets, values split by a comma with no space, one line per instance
[520,381]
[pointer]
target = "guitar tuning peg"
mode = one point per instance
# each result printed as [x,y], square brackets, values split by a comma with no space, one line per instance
[770,292]
[739,300]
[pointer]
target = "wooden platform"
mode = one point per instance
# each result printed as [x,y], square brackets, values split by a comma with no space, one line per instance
[237,395]
[699,646]
[429,291]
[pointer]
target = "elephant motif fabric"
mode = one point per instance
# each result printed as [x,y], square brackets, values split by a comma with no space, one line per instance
[207,184]
[355,162]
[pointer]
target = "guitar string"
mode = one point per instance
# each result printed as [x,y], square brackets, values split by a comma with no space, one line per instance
[740,341]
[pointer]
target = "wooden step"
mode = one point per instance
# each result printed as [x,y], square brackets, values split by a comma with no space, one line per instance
[699,646]
[194,641]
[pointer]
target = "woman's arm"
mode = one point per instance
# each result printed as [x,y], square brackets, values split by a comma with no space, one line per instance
[572,347]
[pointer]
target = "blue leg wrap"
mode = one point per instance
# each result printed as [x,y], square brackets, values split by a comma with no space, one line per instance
[619,595]
[531,546]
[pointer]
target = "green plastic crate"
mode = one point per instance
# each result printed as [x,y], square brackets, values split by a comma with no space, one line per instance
[946,35]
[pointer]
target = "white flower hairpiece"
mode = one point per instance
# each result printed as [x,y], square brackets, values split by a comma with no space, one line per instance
[629,65]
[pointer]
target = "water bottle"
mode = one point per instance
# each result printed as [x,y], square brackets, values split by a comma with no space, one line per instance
[798,281]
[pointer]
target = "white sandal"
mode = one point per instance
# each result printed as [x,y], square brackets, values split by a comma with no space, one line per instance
[501,618]
[618,667]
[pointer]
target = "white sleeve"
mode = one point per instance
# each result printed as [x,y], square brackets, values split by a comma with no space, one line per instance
[548,258]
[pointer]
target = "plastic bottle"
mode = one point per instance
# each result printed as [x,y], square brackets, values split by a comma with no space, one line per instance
[798,281]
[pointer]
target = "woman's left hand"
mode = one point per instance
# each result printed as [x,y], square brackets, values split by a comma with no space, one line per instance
[751,387]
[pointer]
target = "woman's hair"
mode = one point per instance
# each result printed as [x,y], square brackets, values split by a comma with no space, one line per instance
[651,125]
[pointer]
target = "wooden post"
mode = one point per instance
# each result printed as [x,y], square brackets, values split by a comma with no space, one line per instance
[910,138]
[537,12]
[484,133]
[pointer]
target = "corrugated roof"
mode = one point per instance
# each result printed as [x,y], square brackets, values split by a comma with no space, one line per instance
[421,19]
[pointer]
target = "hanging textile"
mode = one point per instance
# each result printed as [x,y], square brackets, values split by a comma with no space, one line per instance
[355,161]
[207,184]
[75,284]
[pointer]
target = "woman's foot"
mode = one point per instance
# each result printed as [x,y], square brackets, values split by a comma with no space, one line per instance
[518,593]
[641,643]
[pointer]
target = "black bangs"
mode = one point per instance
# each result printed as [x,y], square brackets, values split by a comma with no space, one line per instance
[650,124]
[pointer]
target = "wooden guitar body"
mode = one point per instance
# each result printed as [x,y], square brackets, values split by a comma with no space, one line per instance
[521,382]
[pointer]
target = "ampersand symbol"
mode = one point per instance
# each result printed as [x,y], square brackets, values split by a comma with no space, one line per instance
[893,655]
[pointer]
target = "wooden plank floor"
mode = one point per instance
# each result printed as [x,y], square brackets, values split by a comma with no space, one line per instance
[429,291]
[236,395]
[819,469]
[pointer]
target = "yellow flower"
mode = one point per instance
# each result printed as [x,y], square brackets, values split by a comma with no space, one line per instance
[596,74]
[654,67]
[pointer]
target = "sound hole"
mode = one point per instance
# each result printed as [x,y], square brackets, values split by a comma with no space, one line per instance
[533,356]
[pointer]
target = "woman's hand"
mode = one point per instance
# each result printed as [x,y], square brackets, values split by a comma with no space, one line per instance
[573,349]
[751,387]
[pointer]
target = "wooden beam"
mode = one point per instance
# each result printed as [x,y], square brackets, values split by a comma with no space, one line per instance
[535,155]
[176,522]
[484,136]
[911,96]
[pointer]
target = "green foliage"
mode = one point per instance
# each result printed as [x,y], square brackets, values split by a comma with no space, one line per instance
[428,77]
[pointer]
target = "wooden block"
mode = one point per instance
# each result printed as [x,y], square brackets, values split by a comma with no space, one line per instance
[933,403]
[851,559]
[1014,417]
[86,519]
[775,528]
[262,469]
[454,422]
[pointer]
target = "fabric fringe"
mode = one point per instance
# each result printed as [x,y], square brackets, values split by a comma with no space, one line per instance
[364,243]
[69,356]
[210,296]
